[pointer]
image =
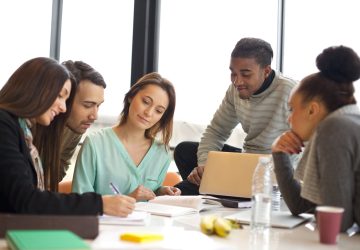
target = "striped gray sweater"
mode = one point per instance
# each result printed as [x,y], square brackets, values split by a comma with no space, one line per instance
[263,117]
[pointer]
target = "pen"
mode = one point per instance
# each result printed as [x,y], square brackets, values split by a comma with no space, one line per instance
[114,188]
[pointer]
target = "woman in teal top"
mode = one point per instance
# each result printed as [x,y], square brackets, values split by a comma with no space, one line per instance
[128,154]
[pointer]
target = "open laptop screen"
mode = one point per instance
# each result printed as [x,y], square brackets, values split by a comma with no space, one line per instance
[229,175]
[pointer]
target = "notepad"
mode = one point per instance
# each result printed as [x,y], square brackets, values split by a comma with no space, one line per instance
[44,240]
[141,237]
[136,218]
[164,210]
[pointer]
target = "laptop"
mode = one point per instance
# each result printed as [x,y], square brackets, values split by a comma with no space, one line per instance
[228,175]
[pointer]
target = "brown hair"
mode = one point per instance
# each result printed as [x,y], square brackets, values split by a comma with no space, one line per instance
[83,71]
[165,124]
[29,92]
[339,66]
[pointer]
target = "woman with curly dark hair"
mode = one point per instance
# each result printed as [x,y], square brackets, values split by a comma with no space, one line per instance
[325,115]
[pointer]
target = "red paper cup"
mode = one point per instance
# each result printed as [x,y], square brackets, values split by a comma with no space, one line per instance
[329,222]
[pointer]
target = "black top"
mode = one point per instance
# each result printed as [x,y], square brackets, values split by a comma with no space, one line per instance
[18,182]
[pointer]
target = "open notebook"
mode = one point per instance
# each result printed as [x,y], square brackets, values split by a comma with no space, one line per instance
[281,219]
[174,205]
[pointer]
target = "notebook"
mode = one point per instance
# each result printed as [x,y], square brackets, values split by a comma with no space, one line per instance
[197,202]
[280,219]
[44,240]
[229,174]
[164,210]
[136,218]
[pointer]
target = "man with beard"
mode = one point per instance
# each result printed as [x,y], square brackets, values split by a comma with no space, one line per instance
[256,98]
[89,96]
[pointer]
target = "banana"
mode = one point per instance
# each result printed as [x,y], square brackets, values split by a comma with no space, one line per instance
[235,224]
[207,224]
[222,227]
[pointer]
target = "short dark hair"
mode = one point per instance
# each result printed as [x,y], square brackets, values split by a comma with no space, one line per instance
[333,85]
[83,71]
[256,48]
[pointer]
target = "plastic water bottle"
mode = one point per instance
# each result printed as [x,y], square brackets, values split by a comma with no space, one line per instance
[261,195]
[276,195]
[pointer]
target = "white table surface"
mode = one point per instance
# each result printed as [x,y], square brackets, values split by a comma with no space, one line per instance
[289,239]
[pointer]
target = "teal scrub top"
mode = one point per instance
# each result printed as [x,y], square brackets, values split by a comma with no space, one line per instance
[103,159]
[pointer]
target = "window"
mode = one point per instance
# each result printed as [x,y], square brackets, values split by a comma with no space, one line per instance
[25,33]
[100,34]
[196,40]
[328,23]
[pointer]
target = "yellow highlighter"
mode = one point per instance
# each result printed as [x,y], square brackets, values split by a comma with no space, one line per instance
[141,237]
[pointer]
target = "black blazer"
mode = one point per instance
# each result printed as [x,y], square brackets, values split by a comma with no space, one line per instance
[18,182]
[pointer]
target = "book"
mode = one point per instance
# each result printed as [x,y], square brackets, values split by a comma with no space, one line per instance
[136,218]
[44,240]
[164,209]
[198,202]
[229,202]
[189,201]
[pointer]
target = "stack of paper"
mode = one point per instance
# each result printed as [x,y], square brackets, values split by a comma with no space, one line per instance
[136,218]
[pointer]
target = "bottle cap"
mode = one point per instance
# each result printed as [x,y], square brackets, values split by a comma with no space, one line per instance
[264,159]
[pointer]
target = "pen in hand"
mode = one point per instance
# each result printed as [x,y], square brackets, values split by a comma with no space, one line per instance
[114,188]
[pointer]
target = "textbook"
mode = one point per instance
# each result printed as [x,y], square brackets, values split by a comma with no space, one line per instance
[44,240]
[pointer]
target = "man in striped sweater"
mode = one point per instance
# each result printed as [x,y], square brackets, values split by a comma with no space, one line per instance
[257,99]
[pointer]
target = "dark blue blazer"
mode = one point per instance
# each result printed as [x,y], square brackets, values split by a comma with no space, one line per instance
[18,182]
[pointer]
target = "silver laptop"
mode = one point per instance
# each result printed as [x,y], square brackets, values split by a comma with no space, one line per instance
[229,174]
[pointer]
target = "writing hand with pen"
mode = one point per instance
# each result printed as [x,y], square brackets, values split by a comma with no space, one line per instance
[118,204]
